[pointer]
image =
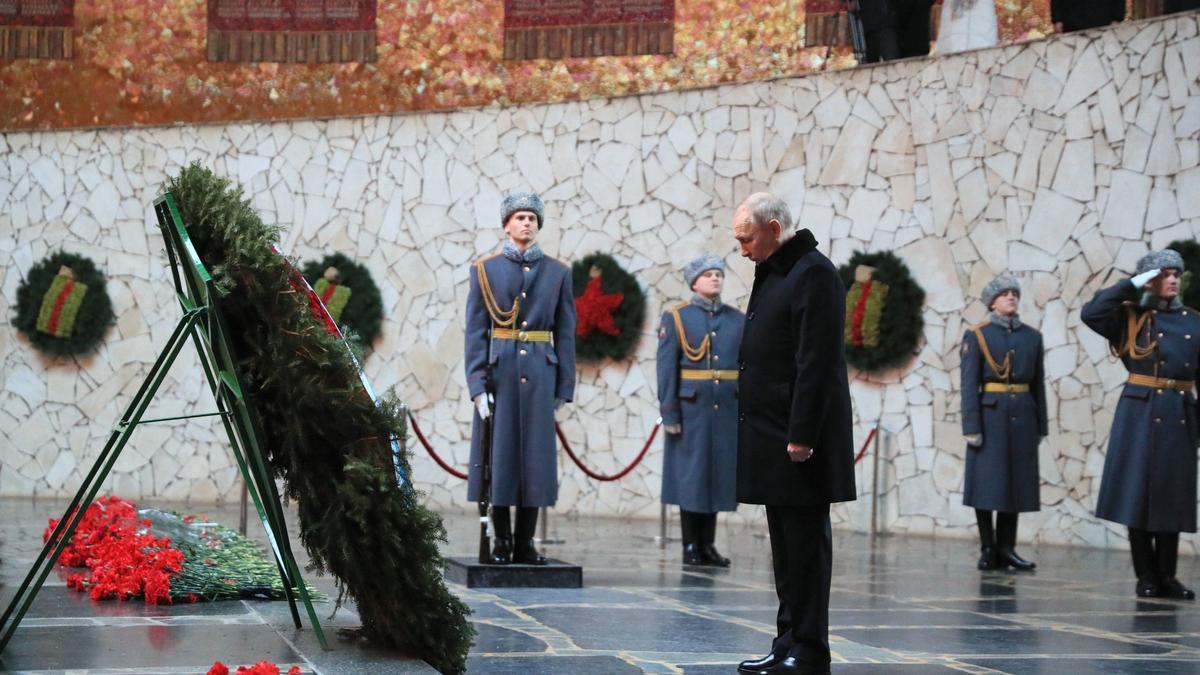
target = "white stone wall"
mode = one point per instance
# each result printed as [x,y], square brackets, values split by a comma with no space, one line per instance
[1059,160]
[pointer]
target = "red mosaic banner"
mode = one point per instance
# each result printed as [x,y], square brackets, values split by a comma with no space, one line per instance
[291,31]
[577,28]
[36,29]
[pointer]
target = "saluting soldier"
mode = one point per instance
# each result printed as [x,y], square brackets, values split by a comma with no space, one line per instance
[697,394]
[1003,420]
[1149,482]
[520,349]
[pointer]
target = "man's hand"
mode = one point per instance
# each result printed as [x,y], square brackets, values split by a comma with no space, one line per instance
[673,428]
[481,406]
[799,453]
[559,402]
[974,440]
[1144,278]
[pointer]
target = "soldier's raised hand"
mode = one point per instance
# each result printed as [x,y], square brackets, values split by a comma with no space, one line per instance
[1145,277]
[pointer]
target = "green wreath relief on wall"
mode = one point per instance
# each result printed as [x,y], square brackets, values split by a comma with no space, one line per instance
[883,311]
[63,305]
[349,293]
[610,309]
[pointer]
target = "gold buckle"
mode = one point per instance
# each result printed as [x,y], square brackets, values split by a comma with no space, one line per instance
[523,336]
[1170,383]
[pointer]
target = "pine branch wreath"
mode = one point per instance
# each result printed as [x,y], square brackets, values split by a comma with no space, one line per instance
[627,317]
[48,302]
[1189,289]
[890,325]
[375,537]
[363,312]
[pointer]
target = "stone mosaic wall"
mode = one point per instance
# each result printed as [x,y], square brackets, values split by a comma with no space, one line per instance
[1059,160]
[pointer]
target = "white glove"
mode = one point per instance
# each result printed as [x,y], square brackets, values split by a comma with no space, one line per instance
[673,428]
[974,440]
[1144,278]
[481,406]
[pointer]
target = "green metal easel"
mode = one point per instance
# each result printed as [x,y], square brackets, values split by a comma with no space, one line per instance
[205,325]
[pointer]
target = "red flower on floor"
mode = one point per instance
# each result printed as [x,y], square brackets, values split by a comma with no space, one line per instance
[594,310]
[125,560]
[263,667]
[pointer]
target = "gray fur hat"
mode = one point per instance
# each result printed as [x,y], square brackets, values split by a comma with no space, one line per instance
[704,263]
[522,201]
[997,286]
[1160,260]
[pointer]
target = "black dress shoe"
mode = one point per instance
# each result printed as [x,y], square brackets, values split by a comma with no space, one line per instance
[502,550]
[793,667]
[692,554]
[756,666]
[527,554]
[1147,587]
[712,557]
[1009,558]
[1171,588]
[987,558]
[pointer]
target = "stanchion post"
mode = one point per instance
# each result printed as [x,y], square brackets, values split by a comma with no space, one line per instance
[242,512]
[662,526]
[544,516]
[886,444]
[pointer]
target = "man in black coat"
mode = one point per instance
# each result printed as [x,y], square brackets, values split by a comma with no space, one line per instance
[1072,15]
[795,451]
[894,29]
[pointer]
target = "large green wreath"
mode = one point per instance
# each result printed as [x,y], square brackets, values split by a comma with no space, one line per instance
[363,311]
[375,537]
[81,317]
[1189,289]
[628,315]
[894,321]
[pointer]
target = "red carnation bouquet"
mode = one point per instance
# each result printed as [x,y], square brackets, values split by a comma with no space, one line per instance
[164,557]
[125,559]
[261,668]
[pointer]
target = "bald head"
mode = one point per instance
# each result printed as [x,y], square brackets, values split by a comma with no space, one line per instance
[761,223]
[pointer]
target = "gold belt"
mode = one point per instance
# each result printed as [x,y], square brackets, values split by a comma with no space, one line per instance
[522,335]
[1161,382]
[1001,388]
[694,374]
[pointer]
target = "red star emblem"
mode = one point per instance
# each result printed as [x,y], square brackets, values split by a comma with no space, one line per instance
[594,310]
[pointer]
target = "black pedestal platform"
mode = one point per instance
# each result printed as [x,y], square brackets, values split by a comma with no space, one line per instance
[554,574]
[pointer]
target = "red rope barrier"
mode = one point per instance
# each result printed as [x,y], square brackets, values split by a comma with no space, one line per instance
[866,444]
[599,476]
[429,448]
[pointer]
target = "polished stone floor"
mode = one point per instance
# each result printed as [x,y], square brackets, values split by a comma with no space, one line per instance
[899,605]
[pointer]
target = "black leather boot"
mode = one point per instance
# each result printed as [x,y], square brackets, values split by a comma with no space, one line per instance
[502,550]
[987,540]
[1166,550]
[525,552]
[502,543]
[708,551]
[1006,542]
[1141,547]
[690,530]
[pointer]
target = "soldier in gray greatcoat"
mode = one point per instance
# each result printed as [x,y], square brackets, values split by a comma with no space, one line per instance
[1149,482]
[1003,420]
[520,354]
[697,394]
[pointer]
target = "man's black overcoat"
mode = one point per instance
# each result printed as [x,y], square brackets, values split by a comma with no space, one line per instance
[792,385]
